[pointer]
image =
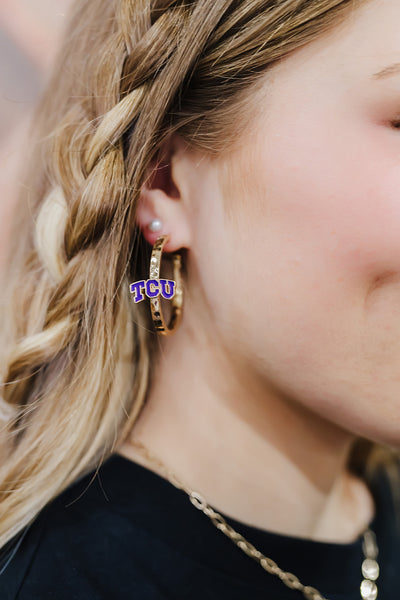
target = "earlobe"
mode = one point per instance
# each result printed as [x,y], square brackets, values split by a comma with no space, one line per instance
[160,208]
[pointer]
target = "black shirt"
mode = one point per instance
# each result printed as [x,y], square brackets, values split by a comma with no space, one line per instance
[128,533]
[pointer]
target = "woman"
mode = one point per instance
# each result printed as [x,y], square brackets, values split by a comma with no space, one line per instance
[256,144]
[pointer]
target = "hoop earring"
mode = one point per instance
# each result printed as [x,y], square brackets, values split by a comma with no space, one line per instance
[171,289]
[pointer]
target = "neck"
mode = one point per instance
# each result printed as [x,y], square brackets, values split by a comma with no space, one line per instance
[254,454]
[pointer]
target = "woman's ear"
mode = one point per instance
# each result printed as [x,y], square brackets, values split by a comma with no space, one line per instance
[162,198]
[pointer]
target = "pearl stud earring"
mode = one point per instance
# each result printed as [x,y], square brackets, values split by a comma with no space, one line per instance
[155,225]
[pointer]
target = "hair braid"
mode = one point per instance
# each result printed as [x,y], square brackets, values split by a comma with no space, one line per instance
[79,227]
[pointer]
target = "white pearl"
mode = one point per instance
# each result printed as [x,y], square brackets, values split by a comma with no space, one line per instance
[155,225]
[370,569]
[368,590]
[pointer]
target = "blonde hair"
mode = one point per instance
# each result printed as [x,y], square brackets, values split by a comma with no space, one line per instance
[130,73]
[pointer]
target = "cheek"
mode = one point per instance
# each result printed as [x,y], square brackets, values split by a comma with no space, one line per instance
[292,282]
[313,243]
[326,209]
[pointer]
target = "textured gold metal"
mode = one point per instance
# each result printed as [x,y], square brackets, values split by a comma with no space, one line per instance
[177,299]
[290,580]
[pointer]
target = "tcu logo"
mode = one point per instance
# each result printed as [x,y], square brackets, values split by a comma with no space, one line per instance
[152,288]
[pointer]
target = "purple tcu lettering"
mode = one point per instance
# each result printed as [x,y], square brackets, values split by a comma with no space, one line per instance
[171,288]
[136,288]
[149,292]
[152,288]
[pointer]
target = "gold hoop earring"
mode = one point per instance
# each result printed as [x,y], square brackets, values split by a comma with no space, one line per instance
[155,288]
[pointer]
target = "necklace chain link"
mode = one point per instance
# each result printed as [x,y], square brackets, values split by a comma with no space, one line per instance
[370,568]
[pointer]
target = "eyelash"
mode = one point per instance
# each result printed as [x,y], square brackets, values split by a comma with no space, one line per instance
[395,124]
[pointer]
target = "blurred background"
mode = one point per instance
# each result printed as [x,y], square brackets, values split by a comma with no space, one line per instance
[30,31]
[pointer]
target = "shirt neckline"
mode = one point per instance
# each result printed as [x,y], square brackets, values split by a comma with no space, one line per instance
[166,512]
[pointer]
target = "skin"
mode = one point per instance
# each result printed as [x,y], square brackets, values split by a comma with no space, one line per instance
[289,347]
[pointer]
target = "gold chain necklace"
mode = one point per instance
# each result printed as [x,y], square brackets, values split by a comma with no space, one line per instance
[369,568]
